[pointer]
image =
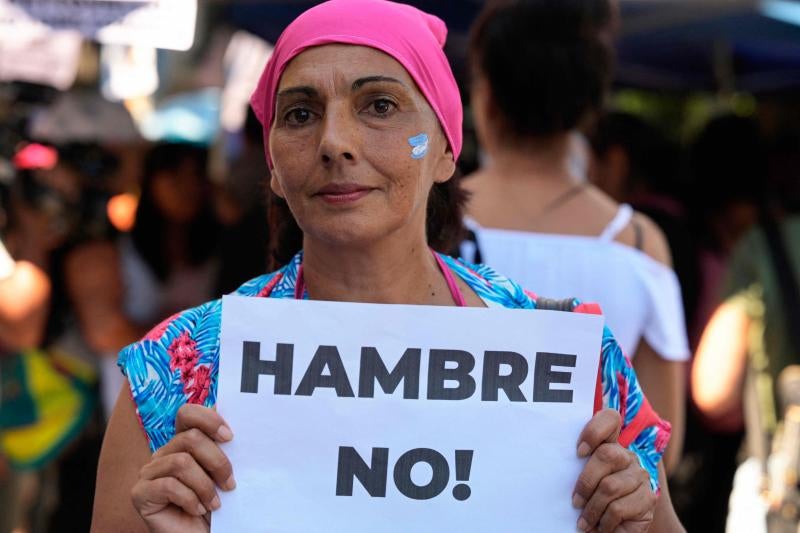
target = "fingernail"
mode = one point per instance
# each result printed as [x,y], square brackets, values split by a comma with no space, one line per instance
[200,509]
[215,503]
[583,449]
[582,524]
[577,501]
[224,433]
[230,484]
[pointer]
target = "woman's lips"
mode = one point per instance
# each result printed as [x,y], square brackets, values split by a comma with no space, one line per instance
[343,194]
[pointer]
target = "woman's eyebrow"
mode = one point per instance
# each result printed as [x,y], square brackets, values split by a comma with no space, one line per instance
[304,90]
[360,82]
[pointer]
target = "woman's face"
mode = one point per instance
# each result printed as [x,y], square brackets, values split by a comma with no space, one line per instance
[355,146]
[180,193]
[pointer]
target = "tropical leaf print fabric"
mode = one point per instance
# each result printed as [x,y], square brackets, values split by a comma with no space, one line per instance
[178,361]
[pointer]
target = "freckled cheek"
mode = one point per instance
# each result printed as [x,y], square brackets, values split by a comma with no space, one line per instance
[294,159]
[390,154]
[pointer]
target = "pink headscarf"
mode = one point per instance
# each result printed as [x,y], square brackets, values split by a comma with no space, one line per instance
[412,37]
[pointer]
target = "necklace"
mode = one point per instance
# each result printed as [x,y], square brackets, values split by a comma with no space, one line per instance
[560,200]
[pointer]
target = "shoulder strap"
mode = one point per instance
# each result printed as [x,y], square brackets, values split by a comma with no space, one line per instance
[471,244]
[470,248]
[789,289]
[639,235]
[617,224]
[550,304]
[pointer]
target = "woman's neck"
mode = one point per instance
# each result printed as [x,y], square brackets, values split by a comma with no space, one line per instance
[538,161]
[524,181]
[396,270]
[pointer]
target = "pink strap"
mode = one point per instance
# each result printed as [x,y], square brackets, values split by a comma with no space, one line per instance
[455,292]
[300,284]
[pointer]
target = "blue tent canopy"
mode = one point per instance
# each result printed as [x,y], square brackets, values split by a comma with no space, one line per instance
[749,45]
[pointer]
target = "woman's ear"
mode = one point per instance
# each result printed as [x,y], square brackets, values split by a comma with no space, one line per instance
[445,163]
[275,184]
[483,109]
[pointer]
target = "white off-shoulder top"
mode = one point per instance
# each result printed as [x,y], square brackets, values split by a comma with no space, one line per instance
[640,297]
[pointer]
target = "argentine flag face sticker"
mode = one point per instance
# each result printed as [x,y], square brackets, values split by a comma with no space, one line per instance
[419,145]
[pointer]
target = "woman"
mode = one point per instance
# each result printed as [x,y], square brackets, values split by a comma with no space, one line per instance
[362,128]
[540,70]
[744,372]
[168,262]
[49,430]
[165,264]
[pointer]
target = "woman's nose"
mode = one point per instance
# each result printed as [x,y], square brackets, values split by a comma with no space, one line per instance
[339,142]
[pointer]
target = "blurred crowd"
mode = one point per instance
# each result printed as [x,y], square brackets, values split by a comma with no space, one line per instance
[97,262]
[103,236]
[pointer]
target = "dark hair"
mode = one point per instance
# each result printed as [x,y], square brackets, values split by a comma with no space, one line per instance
[654,162]
[444,227]
[548,62]
[148,234]
[784,170]
[728,167]
[729,163]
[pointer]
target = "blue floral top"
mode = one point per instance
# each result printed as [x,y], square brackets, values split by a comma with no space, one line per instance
[178,361]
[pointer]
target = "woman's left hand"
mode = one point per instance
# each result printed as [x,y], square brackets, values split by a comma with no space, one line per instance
[613,490]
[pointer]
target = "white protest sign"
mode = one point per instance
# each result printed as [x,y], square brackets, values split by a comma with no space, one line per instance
[156,23]
[393,418]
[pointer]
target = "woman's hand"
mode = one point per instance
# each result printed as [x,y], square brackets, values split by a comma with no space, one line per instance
[613,490]
[176,490]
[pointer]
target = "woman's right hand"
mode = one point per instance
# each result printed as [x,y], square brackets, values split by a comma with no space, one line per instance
[177,489]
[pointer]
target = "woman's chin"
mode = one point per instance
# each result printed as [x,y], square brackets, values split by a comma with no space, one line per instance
[346,233]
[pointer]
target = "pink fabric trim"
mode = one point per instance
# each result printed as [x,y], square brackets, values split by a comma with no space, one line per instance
[300,284]
[589,309]
[455,292]
[156,333]
[645,418]
[267,289]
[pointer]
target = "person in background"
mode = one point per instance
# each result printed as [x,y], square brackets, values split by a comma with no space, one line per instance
[165,263]
[25,291]
[169,262]
[105,291]
[752,337]
[541,69]
[633,162]
[49,425]
[727,164]
[241,209]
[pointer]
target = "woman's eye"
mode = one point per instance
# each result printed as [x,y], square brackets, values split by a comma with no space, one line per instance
[382,107]
[298,116]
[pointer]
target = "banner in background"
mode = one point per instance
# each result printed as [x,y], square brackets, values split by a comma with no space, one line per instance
[40,56]
[156,23]
[394,418]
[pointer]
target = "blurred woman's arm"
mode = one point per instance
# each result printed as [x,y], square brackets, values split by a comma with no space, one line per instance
[24,303]
[664,384]
[665,520]
[125,452]
[719,367]
[663,380]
